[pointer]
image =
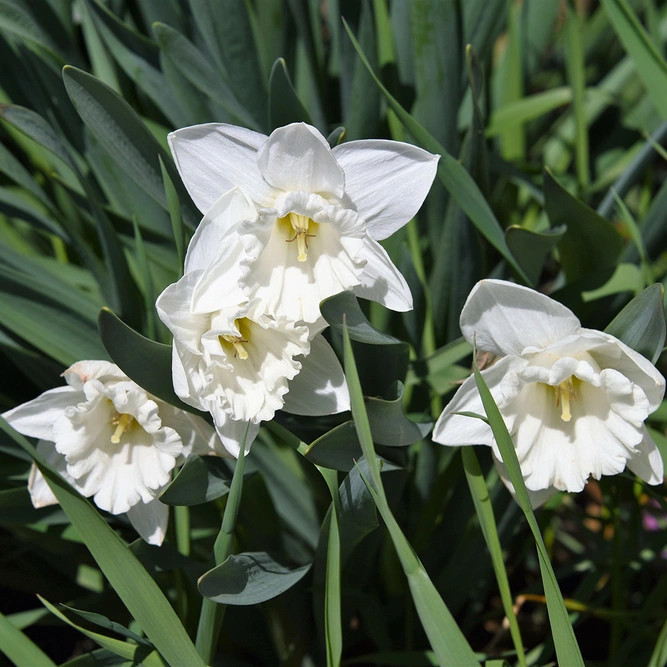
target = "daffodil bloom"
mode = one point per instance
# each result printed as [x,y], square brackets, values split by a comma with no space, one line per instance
[574,400]
[320,211]
[111,440]
[230,357]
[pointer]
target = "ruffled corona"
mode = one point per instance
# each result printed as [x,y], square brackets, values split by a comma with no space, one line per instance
[111,441]
[574,400]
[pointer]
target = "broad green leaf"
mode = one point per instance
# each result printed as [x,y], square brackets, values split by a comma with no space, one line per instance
[137,653]
[453,175]
[13,169]
[146,362]
[14,205]
[344,306]
[19,649]
[136,588]
[398,659]
[107,624]
[649,63]
[21,23]
[337,449]
[443,633]
[201,72]
[285,107]
[590,242]
[439,369]
[659,656]
[249,578]
[641,324]
[390,426]
[123,135]
[202,478]
[175,216]
[532,248]
[16,509]
[567,650]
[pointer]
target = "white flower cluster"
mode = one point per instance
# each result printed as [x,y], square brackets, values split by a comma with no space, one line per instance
[288,222]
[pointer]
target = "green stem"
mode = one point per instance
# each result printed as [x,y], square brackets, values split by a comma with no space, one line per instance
[212,613]
[182,520]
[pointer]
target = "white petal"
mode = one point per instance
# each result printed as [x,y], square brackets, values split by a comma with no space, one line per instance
[215,157]
[648,464]
[631,364]
[537,498]
[381,281]
[506,318]
[210,240]
[231,433]
[150,520]
[36,418]
[386,180]
[197,435]
[40,492]
[82,371]
[174,309]
[298,157]
[456,430]
[320,387]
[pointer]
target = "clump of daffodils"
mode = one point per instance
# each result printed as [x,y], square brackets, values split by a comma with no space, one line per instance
[111,441]
[573,399]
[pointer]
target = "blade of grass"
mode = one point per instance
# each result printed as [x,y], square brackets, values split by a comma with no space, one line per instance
[452,174]
[19,649]
[212,614]
[577,80]
[567,650]
[487,522]
[444,635]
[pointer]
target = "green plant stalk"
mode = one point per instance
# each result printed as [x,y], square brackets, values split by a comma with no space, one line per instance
[332,604]
[182,521]
[487,522]
[212,614]
[577,80]
[565,643]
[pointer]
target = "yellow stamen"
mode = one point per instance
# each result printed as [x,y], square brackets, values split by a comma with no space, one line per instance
[301,226]
[565,393]
[123,423]
[236,341]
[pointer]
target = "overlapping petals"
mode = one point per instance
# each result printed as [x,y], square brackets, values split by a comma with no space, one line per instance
[574,400]
[111,441]
[318,212]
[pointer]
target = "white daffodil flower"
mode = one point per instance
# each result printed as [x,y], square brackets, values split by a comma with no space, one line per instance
[320,211]
[574,400]
[111,440]
[230,357]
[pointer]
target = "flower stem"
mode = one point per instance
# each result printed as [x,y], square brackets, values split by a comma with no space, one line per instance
[212,613]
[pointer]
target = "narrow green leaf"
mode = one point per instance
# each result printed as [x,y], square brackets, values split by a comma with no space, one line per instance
[137,653]
[21,23]
[565,642]
[453,175]
[198,70]
[19,649]
[641,324]
[285,107]
[146,279]
[337,449]
[123,135]
[443,633]
[249,578]
[175,215]
[487,522]
[649,63]
[135,587]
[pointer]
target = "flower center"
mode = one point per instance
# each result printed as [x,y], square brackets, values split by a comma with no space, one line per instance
[299,227]
[122,422]
[566,393]
[236,342]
